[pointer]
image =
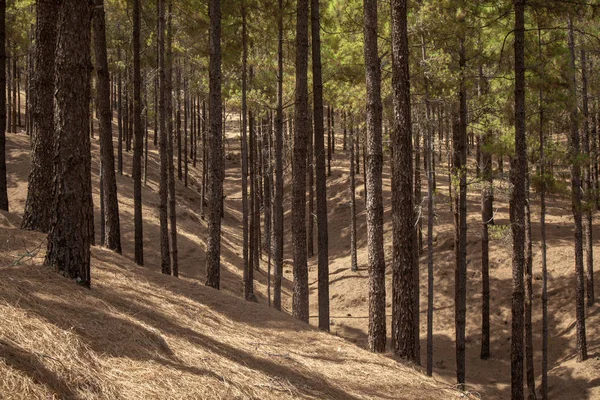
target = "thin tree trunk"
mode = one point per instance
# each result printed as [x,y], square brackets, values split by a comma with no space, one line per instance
[517,205]
[112,234]
[3,180]
[204,159]
[178,122]
[322,223]
[165,256]
[278,199]
[170,145]
[576,206]
[38,213]
[311,191]
[215,161]
[138,134]
[186,112]
[544,385]
[69,238]
[353,256]
[120,118]
[248,272]
[588,189]
[459,142]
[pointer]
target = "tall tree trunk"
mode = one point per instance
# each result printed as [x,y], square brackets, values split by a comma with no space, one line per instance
[170,132]
[215,153]
[377,318]
[165,257]
[544,385]
[353,256]
[3,181]
[186,114]
[403,260]
[266,162]
[248,273]
[204,159]
[112,227]
[310,165]
[529,297]
[459,142]
[301,129]
[69,238]
[322,224]
[120,118]
[278,200]
[138,134]
[329,141]
[576,205]
[38,212]
[588,188]
[517,205]
[429,154]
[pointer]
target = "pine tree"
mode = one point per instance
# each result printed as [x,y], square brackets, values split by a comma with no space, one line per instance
[322,225]
[69,237]
[38,213]
[215,156]
[3,125]
[518,171]
[403,259]
[301,129]
[377,323]
[112,228]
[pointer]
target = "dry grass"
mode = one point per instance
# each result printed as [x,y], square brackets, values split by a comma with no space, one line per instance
[140,334]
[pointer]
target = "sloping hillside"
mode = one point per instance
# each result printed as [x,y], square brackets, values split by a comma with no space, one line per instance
[140,334]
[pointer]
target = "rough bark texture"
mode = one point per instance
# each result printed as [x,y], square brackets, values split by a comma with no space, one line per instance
[517,206]
[301,129]
[112,229]
[248,283]
[3,182]
[403,260]
[69,237]
[322,225]
[165,257]
[353,255]
[138,138]
[544,384]
[374,203]
[278,199]
[588,188]
[459,171]
[576,205]
[171,166]
[215,155]
[39,191]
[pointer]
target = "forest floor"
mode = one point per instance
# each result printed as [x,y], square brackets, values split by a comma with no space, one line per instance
[154,336]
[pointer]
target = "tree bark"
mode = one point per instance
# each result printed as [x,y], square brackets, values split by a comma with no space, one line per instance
[576,205]
[301,129]
[215,154]
[112,227]
[165,257]
[588,188]
[69,238]
[322,223]
[278,199]
[517,205]
[403,260]
[374,203]
[38,212]
[353,256]
[3,180]
[170,132]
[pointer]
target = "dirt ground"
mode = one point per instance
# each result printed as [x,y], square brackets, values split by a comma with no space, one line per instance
[349,291]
